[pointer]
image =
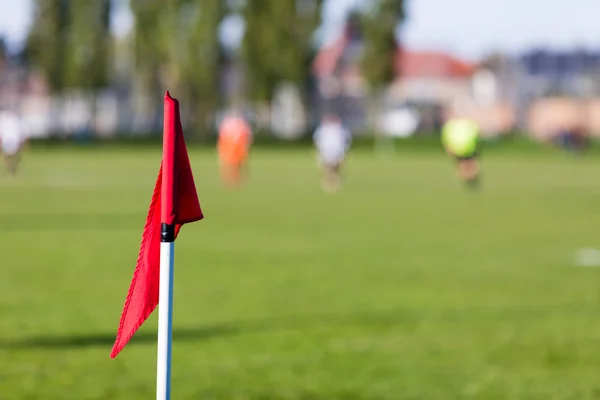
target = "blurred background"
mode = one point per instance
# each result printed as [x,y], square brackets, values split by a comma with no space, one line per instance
[100,68]
[402,285]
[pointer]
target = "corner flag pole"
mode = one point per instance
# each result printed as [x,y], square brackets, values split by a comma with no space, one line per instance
[167,260]
[165,315]
[174,203]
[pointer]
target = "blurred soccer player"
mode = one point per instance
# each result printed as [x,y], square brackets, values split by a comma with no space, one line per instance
[12,139]
[332,141]
[460,138]
[235,139]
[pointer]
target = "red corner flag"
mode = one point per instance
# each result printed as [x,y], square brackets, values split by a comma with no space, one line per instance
[174,203]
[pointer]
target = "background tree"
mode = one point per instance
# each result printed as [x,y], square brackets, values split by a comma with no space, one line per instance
[177,48]
[47,42]
[89,44]
[378,63]
[150,49]
[203,60]
[3,52]
[71,43]
[278,44]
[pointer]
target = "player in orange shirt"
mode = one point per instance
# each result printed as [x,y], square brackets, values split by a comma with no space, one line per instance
[233,146]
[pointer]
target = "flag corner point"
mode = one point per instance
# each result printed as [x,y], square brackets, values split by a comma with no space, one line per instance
[114,353]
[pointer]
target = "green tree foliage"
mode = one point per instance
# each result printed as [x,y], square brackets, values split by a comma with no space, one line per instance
[177,48]
[4,56]
[202,58]
[70,42]
[89,43]
[277,45]
[46,46]
[153,33]
[378,25]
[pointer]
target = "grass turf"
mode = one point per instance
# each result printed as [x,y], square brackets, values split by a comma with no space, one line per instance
[401,286]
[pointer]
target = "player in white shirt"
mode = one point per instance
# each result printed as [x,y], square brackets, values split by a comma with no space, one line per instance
[332,141]
[12,139]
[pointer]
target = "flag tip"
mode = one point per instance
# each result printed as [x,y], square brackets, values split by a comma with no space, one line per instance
[114,352]
[169,98]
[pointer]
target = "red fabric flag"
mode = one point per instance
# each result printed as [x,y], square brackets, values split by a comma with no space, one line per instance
[174,201]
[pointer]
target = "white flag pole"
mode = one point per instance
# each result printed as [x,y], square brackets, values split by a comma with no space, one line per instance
[165,319]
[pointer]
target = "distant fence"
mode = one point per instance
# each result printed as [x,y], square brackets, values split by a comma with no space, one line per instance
[104,113]
[107,114]
[548,116]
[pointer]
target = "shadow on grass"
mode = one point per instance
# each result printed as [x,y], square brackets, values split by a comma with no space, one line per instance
[107,339]
[32,222]
[274,324]
[408,319]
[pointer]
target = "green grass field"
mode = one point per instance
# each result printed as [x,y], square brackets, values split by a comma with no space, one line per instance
[401,286]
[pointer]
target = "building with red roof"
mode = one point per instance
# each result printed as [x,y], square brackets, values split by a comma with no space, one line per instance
[432,80]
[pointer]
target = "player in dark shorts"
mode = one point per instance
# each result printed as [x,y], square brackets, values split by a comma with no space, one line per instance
[460,138]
